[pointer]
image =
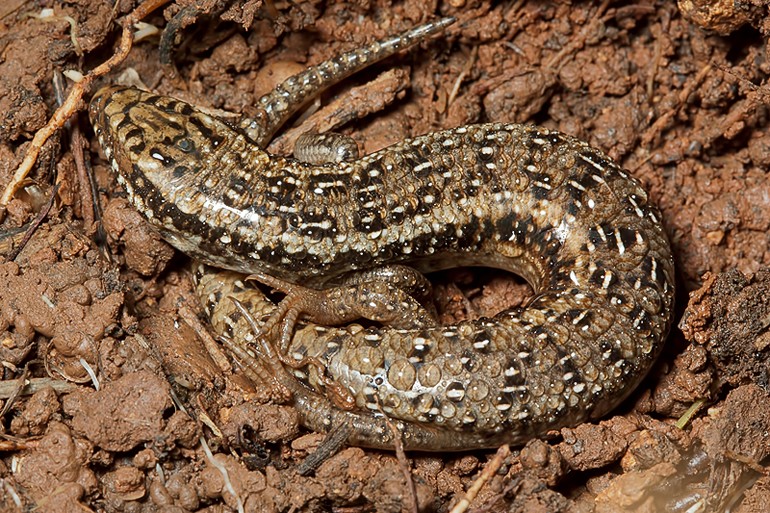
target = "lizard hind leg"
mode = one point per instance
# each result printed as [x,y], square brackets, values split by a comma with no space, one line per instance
[232,307]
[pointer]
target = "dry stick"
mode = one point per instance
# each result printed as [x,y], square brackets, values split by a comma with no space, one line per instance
[463,75]
[558,58]
[214,349]
[86,182]
[331,445]
[657,127]
[35,224]
[88,201]
[489,470]
[92,209]
[16,392]
[655,65]
[18,445]
[748,461]
[77,145]
[403,463]
[32,385]
[70,105]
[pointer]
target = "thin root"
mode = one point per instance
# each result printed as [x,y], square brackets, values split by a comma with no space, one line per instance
[70,105]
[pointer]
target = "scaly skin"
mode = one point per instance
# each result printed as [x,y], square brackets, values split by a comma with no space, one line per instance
[526,199]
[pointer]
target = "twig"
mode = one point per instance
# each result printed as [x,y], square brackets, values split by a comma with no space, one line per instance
[403,463]
[70,105]
[489,470]
[748,461]
[463,75]
[206,419]
[330,446]
[32,385]
[18,445]
[657,127]
[15,393]
[35,224]
[86,183]
[213,349]
[556,60]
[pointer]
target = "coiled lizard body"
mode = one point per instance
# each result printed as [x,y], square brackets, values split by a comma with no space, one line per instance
[526,199]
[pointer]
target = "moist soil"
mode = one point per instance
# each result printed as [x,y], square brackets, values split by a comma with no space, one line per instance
[111,400]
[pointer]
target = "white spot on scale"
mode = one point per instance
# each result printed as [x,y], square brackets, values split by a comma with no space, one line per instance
[577,320]
[607,279]
[455,394]
[601,233]
[422,166]
[636,206]
[619,240]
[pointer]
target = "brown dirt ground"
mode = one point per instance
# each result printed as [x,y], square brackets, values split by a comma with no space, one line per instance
[678,97]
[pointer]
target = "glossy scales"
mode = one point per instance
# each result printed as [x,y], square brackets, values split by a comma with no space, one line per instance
[522,198]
